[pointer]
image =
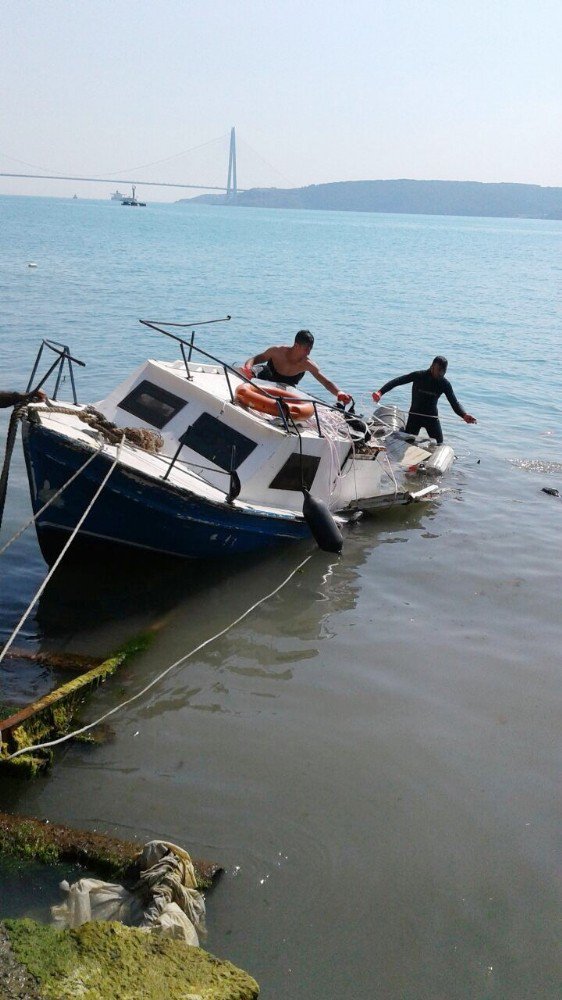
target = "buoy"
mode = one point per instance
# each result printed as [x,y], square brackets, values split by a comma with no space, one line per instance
[322,526]
[441,460]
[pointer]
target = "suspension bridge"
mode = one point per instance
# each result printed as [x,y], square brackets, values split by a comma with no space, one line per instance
[231,189]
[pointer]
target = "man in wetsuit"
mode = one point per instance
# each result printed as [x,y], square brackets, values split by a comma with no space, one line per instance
[18,398]
[427,387]
[289,364]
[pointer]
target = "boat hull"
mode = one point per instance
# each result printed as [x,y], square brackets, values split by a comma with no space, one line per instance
[137,511]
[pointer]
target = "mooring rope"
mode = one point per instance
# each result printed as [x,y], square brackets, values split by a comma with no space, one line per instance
[155,680]
[11,440]
[54,497]
[62,553]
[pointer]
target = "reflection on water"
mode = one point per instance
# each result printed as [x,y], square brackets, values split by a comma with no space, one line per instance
[92,607]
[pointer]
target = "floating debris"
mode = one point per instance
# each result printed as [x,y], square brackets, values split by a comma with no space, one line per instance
[29,838]
[552,492]
[74,663]
[94,952]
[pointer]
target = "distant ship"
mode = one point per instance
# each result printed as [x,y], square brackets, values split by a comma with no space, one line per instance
[117,196]
[133,201]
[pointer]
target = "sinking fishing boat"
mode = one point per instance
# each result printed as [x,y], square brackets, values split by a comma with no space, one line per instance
[207,462]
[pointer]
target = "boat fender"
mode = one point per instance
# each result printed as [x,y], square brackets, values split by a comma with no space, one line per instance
[322,526]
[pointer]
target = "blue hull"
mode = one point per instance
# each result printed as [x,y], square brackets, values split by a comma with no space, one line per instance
[133,510]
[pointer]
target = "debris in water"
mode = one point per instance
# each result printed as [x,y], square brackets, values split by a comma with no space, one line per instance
[51,716]
[552,492]
[26,837]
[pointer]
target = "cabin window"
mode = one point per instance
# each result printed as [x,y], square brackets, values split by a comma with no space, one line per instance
[151,403]
[215,441]
[290,477]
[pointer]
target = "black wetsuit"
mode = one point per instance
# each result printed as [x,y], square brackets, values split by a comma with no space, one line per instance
[426,390]
[270,374]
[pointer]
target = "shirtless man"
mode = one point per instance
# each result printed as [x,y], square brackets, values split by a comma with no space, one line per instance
[289,364]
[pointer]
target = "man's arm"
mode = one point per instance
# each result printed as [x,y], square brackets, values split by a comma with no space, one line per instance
[343,397]
[455,405]
[401,380]
[258,359]
[17,398]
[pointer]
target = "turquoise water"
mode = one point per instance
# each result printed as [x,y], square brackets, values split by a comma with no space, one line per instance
[375,755]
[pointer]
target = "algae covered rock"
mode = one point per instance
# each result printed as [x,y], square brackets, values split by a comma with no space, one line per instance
[101,961]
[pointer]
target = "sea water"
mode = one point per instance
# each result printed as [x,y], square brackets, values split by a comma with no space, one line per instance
[374,754]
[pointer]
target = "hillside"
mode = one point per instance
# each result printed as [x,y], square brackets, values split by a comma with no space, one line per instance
[411,197]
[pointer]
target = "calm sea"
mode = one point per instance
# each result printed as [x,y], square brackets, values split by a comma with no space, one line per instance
[374,755]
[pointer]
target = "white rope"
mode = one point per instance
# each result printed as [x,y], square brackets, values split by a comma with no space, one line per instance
[61,554]
[334,427]
[404,409]
[390,469]
[151,684]
[50,501]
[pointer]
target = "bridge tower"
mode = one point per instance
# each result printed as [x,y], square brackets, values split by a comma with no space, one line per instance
[231,189]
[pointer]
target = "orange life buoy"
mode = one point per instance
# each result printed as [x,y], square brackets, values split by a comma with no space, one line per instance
[256,398]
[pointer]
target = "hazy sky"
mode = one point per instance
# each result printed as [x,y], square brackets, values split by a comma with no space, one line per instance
[451,89]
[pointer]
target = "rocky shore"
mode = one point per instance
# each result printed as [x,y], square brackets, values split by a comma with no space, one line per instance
[16,983]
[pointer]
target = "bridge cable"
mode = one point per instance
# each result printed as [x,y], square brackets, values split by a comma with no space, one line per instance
[166,159]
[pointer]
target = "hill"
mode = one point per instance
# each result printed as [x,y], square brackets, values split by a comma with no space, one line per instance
[408,196]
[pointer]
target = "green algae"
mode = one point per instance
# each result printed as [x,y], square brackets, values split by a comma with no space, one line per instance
[101,961]
[52,716]
[28,841]
[34,839]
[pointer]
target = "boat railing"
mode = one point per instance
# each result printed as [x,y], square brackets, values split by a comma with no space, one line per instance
[63,356]
[187,347]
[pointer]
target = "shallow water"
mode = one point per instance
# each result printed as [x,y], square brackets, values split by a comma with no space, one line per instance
[374,754]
